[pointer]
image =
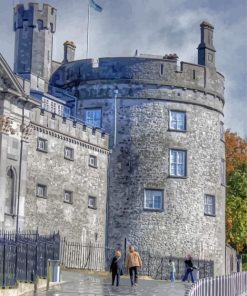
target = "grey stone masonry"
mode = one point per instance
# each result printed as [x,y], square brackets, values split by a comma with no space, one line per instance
[137,96]
[34,28]
[73,216]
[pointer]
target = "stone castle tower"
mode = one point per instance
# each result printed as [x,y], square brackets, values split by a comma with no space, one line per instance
[34,28]
[166,189]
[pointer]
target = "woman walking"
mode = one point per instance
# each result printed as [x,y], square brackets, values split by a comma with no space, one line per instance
[116,268]
[133,261]
[188,269]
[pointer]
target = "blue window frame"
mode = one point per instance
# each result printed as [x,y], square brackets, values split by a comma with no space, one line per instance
[209,205]
[153,199]
[93,117]
[178,120]
[178,162]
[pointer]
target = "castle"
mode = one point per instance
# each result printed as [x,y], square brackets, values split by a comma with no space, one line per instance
[115,150]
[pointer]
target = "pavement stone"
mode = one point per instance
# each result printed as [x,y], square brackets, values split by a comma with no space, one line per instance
[81,284]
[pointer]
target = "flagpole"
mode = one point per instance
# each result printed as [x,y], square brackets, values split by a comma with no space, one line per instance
[88,22]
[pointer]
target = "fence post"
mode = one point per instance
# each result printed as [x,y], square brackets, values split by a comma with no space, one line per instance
[4,245]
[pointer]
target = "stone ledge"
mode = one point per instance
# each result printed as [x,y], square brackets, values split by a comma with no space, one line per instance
[23,288]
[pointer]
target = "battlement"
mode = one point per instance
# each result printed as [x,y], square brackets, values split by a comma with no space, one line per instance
[43,19]
[162,71]
[68,129]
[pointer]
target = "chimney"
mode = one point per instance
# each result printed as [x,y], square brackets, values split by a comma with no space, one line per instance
[69,51]
[206,50]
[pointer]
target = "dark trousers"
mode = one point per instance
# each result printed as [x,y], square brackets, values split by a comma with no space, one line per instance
[187,273]
[115,275]
[133,275]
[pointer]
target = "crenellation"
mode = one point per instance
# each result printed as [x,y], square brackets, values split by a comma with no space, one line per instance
[80,131]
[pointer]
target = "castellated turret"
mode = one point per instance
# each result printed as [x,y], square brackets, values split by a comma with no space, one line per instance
[34,28]
[165,120]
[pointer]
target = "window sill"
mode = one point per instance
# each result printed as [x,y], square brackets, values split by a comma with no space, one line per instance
[176,130]
[40,150]
[177,177]
[39,196]
[209,215]
[67,158]
[68,202]
[153,210]
[93,166]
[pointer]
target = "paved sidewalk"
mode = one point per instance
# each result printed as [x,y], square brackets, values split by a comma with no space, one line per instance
[82,284]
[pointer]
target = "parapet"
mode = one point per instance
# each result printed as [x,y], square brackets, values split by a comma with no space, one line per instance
[44,18]
[69,130]
[163,71]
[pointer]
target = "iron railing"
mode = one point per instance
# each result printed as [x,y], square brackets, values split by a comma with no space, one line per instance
[24,256]
[95,256]
[228,285]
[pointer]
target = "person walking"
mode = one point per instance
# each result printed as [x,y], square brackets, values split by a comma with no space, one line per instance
[116,268]
[188,269]
[172,270]
[133,261]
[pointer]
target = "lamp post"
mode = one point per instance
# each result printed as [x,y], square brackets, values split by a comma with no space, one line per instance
[115,116]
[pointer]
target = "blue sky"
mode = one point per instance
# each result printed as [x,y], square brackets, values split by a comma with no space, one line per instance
[155,27]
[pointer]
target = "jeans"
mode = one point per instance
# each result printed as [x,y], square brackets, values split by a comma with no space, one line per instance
[172,277]
[133,275]
[115,275]
[187,273]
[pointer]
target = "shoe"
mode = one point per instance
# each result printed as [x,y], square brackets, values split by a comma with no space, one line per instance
[136,284]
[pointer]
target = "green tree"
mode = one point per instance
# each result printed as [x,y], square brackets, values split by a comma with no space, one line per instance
[236,198]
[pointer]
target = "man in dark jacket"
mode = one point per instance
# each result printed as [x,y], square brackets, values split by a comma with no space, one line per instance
[116,267]
[188,269]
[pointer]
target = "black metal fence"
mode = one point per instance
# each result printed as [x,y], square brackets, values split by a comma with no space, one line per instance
[24,256]
[94,256]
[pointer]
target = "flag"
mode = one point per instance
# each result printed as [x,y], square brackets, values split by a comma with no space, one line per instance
[95,6]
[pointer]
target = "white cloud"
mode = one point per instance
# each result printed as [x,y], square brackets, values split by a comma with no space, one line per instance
[158,27]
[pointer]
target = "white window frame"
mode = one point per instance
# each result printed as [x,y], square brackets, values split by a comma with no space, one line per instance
[92,205]
[44,146]
[71,156]
[68,196]
[92,161]
[174,124]
[151,205]
[175,166]
[209,205]
[90,115]
[42,193]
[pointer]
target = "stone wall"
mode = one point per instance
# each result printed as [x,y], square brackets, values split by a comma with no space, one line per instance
[76,221]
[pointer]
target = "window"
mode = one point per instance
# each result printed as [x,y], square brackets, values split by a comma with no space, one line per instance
[42,145]
[153,199]
[93,117]
[92,202]
[178,163]
[41,190]
[93,161]
[209,205]
[68,197]
[161,69]
[69,153]
[223,172]
[222,132]
[10,191]
[194,74]
[178,120]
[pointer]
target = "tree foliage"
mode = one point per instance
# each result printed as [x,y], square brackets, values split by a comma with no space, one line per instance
[236,199]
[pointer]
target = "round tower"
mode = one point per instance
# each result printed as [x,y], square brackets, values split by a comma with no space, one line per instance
[34,28]
[166,189]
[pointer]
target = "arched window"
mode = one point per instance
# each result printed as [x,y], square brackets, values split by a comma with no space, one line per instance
[10,192]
